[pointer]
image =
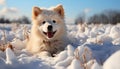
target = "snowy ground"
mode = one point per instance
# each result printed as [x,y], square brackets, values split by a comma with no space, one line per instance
[91,47]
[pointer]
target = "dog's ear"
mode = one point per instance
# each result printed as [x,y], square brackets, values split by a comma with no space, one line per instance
[35,12]
[59,9]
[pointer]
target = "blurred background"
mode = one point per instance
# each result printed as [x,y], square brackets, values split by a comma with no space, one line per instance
[76,11]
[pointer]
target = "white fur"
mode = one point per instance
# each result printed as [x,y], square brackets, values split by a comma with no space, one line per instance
[38,41]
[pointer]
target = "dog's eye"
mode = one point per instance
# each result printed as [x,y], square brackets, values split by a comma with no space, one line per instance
[43,22]
[54,21]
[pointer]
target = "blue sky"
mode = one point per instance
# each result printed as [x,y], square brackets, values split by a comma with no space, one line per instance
[16,8]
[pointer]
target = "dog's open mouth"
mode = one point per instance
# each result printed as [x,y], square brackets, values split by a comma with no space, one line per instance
[50,34]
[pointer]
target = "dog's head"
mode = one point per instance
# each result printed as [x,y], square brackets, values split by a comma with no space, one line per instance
[49,22]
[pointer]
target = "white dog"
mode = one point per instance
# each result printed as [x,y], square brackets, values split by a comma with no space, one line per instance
[48,33]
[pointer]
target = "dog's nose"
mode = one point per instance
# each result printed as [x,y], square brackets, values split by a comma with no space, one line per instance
[50,28]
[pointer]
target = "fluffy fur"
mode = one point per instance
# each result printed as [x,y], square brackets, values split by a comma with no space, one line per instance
[44,39]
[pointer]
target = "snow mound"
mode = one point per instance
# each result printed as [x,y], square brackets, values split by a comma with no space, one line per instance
[113,62]
[10,57]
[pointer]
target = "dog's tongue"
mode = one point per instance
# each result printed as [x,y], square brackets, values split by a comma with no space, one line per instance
[50,34]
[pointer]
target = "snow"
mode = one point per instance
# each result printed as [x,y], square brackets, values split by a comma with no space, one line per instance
[96,66]
[61,56]
[113,61]
[90,47]
[10,57]
[70,50]
[75,64]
